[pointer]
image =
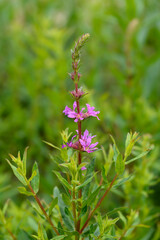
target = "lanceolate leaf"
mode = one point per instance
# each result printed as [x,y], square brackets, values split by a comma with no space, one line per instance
[17,174]
[24,160]
[24,191]
[92,197]
[67,221]
[115,149]
[120,165]
[58,237]
[115,210]
[53,204]
[23,235]
[51,145]
[138,157]
[35,180]
[85,183]
[90,172]
[63,180]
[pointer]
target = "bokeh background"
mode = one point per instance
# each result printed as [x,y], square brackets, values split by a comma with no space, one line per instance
[120,68]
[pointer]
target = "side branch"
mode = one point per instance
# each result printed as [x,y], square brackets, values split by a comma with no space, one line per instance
[11,234]
[98,204]
[43,210]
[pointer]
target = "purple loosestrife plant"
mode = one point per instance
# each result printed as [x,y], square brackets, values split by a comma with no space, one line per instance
[75,213]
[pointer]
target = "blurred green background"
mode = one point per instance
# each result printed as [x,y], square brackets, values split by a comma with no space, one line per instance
[120,68]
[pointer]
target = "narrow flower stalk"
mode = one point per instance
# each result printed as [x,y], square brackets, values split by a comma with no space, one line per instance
[43,210]
[98,204]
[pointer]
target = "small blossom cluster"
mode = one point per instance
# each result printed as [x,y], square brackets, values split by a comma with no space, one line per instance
[81,115]
[77,95]
[84,144]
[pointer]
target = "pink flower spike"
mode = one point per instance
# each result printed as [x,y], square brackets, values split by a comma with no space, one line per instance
[83,168]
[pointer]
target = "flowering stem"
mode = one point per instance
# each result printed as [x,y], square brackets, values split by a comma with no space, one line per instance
[79,156]
[98,204]
[43,210]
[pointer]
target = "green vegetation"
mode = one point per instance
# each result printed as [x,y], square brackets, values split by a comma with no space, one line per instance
[120,71]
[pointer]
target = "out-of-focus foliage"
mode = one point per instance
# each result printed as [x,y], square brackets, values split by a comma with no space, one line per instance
[121,66]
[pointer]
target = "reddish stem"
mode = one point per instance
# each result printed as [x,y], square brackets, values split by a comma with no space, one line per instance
[98,204]
[11,234]
[79,154]
[43,210]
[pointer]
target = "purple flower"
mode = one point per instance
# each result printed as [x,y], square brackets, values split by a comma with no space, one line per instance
[73,114]
[84,144]
[83,168]
[71,144]
[90,112]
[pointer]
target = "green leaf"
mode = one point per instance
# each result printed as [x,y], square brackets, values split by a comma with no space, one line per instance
[63,180]
[136,158]
[108,160]
[115,149]
[92,197]
[119,164]
[58,237]
[13,158]
[132,138]
[83,211]
[112,221]
[24,160]
[122,217]
[90,172]
[84,184]
[36,207]
[35,180]
[104,175]
[100,223]
[53,204]
[128,138]
[67,221]
[22,190]
[34,173]
[66,198]
[115,210]
[23,235]
[123,180]
[17,174]
[51,145]
[5,207]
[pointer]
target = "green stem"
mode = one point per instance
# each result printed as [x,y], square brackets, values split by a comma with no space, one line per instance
[98,204]
[43,210]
